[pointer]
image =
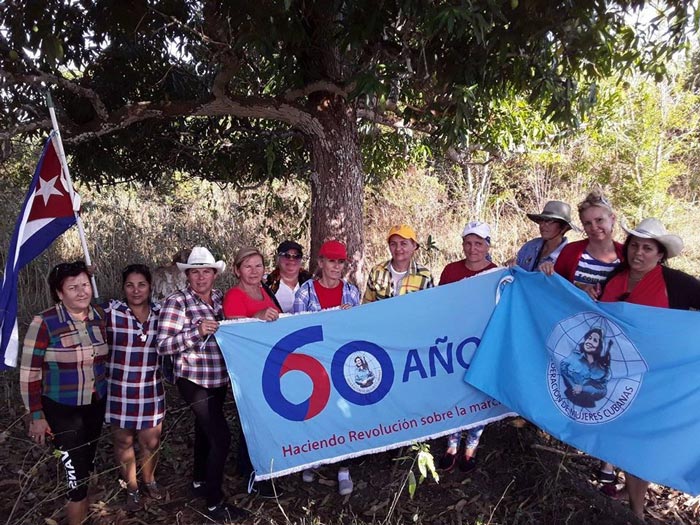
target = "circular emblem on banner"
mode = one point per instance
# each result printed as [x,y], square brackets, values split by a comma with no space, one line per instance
[595,371]
[362,372]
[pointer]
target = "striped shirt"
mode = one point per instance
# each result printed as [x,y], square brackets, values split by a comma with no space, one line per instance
[63,359]
[592,271]
[195,358]
[135,396]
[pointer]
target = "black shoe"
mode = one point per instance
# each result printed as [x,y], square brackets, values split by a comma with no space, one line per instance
[199,491]
[447,462]
[225,513]
[264,489]
[606,477]
[467,464]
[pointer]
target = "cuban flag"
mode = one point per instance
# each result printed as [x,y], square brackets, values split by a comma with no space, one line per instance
[48,211]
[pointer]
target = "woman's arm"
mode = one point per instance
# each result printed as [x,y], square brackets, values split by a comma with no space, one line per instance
[173,337]
[31,369]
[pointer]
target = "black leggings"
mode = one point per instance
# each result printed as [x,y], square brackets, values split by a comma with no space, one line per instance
[76,430]
[212,437]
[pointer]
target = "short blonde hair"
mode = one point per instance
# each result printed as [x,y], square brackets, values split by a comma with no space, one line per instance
[246,252]
[594,198]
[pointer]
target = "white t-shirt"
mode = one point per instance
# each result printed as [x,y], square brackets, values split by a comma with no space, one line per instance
[396,277]
[285,296]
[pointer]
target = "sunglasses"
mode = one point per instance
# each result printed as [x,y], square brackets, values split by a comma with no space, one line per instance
[65,267]
[291,256]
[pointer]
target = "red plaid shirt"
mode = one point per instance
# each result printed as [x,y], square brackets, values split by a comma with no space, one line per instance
[195,358]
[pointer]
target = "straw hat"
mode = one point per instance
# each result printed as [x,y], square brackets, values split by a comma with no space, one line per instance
[653,229]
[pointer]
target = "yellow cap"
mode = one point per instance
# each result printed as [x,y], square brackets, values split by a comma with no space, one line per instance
[403,230]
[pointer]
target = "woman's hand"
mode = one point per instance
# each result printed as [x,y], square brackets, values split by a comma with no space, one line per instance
[207,327]
[547,268]
[268,314]
[345,306]
[593,290]
[38,430]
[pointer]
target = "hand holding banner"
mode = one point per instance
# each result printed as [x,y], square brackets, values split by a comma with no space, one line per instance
[320,388]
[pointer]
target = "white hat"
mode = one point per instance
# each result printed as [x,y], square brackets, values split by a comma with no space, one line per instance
[200,257]
[480,229]
[653,229]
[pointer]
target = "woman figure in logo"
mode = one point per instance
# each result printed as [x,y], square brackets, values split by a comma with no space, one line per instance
[363,375]
[586,370]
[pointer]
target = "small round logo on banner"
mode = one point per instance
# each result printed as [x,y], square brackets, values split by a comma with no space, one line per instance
[362,372]
[595,371]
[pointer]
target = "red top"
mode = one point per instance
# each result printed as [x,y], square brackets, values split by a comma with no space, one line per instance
[237,303]
[650,291]
[457,271]
[329,297]
[567,261]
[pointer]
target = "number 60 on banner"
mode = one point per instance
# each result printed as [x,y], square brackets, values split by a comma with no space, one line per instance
[283,359]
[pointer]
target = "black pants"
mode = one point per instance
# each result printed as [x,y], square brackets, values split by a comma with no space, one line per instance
[212,437]
[76,430]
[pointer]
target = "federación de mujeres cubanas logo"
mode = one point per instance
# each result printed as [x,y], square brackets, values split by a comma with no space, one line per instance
[595,371]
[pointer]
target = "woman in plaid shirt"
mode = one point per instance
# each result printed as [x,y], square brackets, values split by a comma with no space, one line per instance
[135,396]
[62,378]
[187,321]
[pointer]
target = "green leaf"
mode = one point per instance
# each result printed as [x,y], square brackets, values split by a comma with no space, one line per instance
[411,484]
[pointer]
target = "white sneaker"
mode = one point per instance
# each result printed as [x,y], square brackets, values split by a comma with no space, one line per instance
[344,483]
[308,476]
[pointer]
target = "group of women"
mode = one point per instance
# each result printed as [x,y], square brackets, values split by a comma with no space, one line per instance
[83,364]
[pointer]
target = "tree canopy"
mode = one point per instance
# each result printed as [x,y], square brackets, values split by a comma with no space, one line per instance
[239,91]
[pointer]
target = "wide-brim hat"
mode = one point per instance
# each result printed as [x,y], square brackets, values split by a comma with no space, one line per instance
[556,210]
[200,257]
[653,229]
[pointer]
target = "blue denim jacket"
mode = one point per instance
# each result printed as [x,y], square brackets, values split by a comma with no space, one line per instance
[529,253]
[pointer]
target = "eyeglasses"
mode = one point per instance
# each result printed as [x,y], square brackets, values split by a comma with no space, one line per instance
[291,256]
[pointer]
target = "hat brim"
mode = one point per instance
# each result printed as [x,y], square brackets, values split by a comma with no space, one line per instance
[672,243]
[544,217]
[219,266]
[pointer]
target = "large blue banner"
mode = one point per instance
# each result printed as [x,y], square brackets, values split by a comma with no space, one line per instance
[616,380]
[323,387]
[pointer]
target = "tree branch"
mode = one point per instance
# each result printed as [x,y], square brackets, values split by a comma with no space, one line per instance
[321,85]
[39,77]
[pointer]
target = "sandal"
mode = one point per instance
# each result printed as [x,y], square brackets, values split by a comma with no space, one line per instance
[606,477]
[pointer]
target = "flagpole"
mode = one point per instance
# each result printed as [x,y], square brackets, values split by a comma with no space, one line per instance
[66,172]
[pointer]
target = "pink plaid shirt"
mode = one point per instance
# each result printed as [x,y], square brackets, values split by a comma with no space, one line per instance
[195,358]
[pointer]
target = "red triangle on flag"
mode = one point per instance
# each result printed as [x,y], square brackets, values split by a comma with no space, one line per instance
[51,197]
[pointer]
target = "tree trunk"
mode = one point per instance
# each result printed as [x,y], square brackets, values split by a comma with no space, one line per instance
[337,182]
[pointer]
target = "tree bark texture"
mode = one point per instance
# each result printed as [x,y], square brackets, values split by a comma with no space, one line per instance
[337,183]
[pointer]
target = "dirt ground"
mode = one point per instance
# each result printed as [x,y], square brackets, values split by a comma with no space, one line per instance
[523,477]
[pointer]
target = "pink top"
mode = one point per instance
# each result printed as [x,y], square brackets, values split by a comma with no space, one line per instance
[237,303]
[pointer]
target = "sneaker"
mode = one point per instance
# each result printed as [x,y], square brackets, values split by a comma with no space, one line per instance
[467,464]
[198,489]
[308,476]
[264,489]
[153,490]
[447,462]
[606,477]
[225,513]
[344,484]
[133,501]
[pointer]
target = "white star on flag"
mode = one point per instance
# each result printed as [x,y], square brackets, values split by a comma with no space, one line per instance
[48,188]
